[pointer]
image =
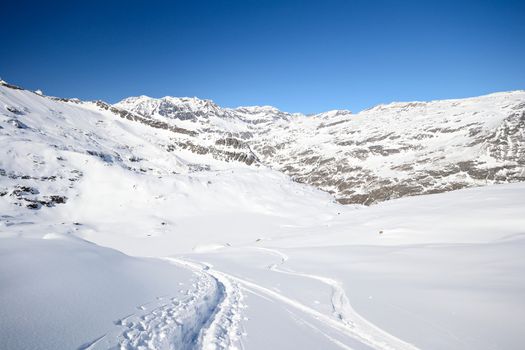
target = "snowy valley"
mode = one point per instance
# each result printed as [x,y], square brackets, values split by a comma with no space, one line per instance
[174,223]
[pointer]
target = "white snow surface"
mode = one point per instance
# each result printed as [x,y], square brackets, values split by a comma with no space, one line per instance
[146,253]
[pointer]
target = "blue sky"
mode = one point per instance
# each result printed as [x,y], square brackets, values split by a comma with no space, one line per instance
[300,56]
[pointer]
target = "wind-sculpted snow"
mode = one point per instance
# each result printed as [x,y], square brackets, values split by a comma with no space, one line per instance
[60,292]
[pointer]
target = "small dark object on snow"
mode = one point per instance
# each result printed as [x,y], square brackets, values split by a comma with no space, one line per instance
[58,199]
[17,124]
[14,110]
[22,190]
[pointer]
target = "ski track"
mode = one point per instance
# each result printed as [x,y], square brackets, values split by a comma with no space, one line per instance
[347,320]
[209,316]
[222,329]
[179,323]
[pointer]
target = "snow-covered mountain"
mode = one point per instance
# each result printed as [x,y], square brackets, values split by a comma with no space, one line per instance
[386,152]
[174,224]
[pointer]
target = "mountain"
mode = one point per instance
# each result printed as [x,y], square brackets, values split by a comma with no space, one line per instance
[386,152]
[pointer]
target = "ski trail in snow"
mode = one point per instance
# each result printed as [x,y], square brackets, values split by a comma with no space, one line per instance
[221,331]
[168,322]
[209,316]
[350,322]
[340,303]
[91,345]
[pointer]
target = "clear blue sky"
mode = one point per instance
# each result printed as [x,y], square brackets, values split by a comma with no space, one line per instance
[300,56]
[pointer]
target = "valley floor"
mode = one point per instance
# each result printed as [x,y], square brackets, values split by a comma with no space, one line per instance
[442,271]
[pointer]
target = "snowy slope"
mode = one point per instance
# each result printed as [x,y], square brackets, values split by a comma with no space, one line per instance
[445,273]
[62,293]
[116,236]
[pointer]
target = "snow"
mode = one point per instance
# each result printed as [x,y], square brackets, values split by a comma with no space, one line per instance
[64,286]
[143,252]
[432,288]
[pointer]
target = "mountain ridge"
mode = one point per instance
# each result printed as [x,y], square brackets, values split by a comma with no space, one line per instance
[389,151]
[354,184]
